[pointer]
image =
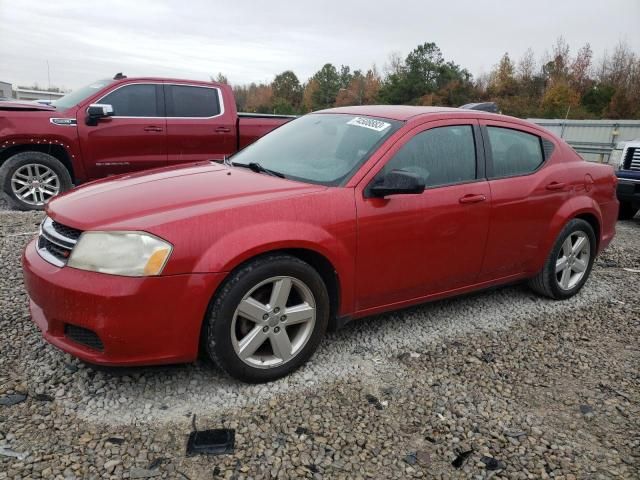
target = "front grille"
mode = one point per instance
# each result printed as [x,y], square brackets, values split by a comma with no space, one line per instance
[83,336]
[56,241]
[57,251]
[631,159]
[71,233]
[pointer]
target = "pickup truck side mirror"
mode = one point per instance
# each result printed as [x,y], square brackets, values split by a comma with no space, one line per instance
[397,182]
[96,111]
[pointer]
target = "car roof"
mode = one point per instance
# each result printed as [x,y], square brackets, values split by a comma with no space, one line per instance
[165,79]
[410,112]
[393,112]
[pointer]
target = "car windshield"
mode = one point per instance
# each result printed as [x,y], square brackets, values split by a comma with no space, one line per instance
[320,148]
[75,97]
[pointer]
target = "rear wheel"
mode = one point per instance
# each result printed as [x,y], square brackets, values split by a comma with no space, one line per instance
[268,319]
[30,179]
[627,211]
[569,264]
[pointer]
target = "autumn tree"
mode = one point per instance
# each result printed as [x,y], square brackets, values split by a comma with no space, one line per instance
[579,71]
[557,85]
[260,98]
[559,99]
[502,80]
[309,91]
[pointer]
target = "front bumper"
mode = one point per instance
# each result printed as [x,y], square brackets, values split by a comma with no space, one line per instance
[629,189]
[139,321]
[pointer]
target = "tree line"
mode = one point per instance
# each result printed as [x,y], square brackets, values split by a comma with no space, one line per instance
[557,85]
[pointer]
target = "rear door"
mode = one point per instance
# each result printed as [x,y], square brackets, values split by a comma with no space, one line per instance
[198,125]
[527,189]
[134,138]
[411,246]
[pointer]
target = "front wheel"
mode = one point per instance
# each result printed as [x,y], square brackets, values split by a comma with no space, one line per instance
[30,179]
[569,264]
[268,319]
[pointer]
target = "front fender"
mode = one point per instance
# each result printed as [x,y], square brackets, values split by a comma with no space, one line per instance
[236,247]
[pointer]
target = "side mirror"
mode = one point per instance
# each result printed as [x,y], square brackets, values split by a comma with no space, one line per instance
[96,111]
[397,182]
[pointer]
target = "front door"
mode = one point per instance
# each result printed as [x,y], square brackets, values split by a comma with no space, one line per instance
[411,246]
[134,138]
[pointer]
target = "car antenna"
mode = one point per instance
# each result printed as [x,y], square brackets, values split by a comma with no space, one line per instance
[119,76]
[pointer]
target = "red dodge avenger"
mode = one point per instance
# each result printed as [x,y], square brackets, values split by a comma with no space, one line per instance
[334,216]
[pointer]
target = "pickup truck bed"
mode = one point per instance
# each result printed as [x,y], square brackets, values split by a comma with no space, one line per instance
[252,126]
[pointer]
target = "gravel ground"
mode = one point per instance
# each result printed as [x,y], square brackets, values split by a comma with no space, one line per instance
[499,384]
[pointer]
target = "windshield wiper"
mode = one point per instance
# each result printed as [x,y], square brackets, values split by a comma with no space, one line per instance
[256,167]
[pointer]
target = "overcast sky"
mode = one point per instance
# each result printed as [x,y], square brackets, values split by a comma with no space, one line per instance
[254,40]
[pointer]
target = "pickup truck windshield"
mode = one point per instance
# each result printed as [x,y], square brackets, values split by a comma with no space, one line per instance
[75,97]
[325,149]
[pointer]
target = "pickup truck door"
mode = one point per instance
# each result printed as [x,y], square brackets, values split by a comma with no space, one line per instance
[134,138]
[199,127]
[411,246]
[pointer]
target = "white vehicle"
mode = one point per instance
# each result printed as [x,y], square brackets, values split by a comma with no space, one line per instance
[629,180]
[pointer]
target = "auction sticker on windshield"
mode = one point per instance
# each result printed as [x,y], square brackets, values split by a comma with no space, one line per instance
[377,125]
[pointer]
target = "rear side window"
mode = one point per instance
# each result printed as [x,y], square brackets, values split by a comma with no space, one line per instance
[187,101]
[441,156]
[514,152]
[137,100]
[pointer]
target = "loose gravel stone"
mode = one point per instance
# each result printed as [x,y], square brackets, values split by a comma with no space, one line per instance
[531,388]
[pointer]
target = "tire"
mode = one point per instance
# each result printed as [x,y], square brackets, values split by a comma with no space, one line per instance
[51,178]
[247,307]
[552,283]
[627,211]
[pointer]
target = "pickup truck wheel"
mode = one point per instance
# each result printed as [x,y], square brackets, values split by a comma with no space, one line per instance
[268,319]
[30,179]
[627,211]
[569,264]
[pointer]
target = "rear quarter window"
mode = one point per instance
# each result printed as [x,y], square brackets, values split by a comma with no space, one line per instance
[514,152]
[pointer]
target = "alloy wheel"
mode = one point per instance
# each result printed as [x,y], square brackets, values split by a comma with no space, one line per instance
[273,322]
[573,260]
[35,184]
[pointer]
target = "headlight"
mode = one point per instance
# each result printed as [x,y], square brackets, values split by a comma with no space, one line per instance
[134,254]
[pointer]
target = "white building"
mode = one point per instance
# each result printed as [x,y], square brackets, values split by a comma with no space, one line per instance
[5,90]
[29,94]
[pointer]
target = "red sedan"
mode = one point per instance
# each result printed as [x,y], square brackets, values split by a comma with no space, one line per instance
[337,215]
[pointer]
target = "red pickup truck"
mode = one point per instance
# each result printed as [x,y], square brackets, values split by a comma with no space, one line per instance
[116,126]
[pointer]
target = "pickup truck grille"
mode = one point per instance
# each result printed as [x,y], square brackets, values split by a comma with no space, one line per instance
[631,159]
[56,241]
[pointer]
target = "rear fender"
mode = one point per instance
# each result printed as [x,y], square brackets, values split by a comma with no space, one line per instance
[573,208]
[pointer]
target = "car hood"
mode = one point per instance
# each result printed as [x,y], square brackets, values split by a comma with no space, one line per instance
[141,201]
[25,106]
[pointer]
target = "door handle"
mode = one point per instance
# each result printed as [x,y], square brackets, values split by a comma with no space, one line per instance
[472,198]
[556,186]
[152,128]
[222,130]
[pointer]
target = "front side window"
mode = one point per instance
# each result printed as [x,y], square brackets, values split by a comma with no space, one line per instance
[326,149]
[514,152]
[136,100]
[187,101]
[441,156]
